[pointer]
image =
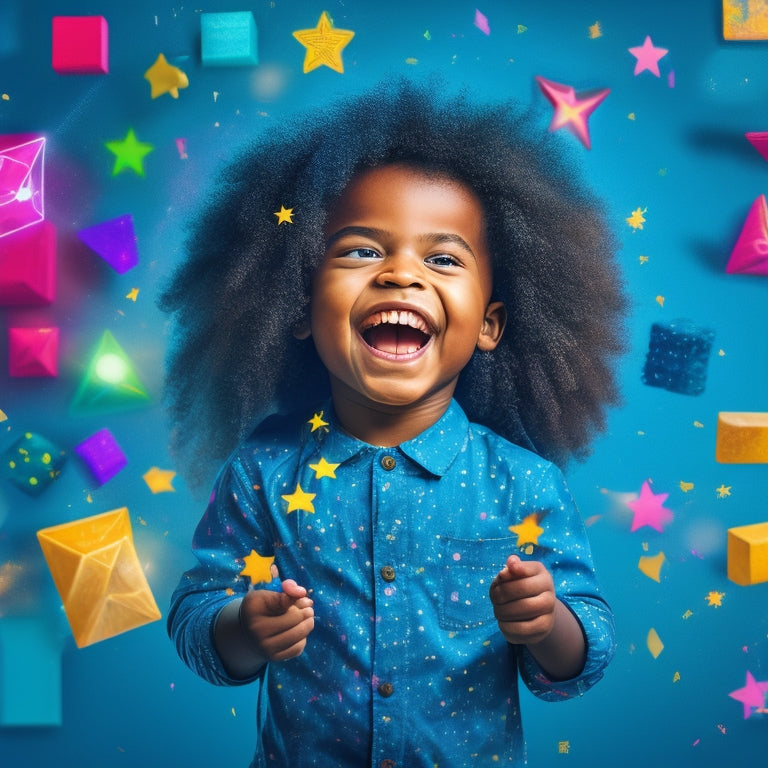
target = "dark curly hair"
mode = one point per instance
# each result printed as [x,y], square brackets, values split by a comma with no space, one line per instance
[245,283]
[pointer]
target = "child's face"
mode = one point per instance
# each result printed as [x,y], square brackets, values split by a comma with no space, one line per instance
[401,299]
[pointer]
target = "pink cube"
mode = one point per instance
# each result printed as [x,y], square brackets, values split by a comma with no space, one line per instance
[33,352]
[28,267]
[80,45]
[21,181]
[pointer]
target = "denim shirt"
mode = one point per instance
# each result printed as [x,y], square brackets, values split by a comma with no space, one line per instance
[398,547]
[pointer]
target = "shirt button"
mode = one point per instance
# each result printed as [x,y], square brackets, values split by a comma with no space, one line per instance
[388,462]
[388,573]
[386,690]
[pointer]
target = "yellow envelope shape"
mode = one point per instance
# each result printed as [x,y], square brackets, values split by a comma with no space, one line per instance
[97,573]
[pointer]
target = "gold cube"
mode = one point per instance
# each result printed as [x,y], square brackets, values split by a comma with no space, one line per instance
[742,438]
[748,554]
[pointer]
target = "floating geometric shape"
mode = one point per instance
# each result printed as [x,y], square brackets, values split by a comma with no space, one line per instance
[678,354]
[651,566]
[653,641]
[102,455]
[745,20]
[30,673]
[748,554]
[750,254]
[33,352]
[110,382]
[324,44]
[742,438]
[98,576]
[114,241]
[759,140]
[165,78]
[228,39]
[32,463]
[80,45]
[28,266]
[21,181]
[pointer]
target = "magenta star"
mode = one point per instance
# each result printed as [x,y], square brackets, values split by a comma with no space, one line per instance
[752,695]
[648,57]
[649,509]
[571,111]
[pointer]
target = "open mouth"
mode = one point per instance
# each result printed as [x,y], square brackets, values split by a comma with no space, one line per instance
[396,332]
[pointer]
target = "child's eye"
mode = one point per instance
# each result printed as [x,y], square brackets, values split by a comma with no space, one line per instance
[362,253]
[443,260]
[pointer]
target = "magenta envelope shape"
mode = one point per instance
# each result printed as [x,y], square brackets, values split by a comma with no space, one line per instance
[750,254]
[21,181]
[114,241]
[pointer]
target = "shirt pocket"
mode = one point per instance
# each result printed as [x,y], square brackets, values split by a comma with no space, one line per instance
[467,568]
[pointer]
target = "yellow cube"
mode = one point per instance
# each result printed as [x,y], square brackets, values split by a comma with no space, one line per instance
[745,19]
[742,438]
[748,554]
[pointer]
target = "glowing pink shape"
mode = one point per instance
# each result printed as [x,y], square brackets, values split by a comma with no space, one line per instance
[481,22]
[28,267]
[21,181]
[759,140]
[750,254]
[80,45]
[752,695]
[114,241]
[648,57]
[33,352]
[649,509]
[571,111]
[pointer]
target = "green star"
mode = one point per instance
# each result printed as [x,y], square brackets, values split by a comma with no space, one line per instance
[129,153]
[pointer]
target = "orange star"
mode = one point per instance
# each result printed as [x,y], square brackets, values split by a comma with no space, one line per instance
[324,44]
[528,531]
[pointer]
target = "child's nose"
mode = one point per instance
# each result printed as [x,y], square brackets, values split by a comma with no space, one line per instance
[401,270]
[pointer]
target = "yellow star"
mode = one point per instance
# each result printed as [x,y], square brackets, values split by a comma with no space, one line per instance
[324,469]
[723,491]
[715,599]
[159,480]
[324,44]
[636,220]
[317,421]
[528,531]
[284,215]
[129,153]
[257,568]
[133,295]
[299,500]
[165,78]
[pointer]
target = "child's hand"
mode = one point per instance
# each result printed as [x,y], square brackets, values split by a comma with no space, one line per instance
[278,623]
[524,601]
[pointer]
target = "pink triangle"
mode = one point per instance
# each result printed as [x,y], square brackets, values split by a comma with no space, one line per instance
[759,140]
[750,254]
[114,241]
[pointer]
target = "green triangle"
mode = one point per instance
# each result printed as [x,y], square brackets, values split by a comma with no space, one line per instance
[110,382]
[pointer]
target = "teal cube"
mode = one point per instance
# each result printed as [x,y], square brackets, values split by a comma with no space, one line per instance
[228,39]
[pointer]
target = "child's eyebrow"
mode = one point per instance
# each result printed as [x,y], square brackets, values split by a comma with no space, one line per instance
[382,235]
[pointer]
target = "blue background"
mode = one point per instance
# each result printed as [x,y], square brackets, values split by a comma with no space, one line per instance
[678,152]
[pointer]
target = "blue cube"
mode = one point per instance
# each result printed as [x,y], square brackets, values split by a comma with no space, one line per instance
[228,39]
[678,355]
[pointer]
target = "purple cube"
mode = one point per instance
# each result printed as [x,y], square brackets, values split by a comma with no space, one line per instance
[102,454]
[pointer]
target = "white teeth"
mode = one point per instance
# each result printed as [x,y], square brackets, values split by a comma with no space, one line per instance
[401,317]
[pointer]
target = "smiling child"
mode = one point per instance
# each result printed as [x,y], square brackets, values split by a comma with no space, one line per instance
[389,546]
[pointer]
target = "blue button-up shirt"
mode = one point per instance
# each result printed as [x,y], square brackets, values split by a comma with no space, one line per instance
[398,547]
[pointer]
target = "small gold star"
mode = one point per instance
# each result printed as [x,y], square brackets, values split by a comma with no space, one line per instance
[300,500]
[723,491]
[159,480]
[324,469]
[317,421]
[324,44]
[133,295]
[637,219]
[165,78]
[284,215]
[685,487]
[528,531]
[715,598]
[257,568]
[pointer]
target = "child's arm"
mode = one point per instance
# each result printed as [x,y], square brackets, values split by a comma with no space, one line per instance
[529,613]
[263,626]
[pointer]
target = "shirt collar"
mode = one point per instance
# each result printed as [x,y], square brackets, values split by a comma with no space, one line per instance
[434,449]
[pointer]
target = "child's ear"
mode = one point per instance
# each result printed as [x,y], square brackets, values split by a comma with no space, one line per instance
[302,330]
[493,326]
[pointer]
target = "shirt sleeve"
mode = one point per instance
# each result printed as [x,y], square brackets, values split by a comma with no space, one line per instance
[566,553]
[226,534]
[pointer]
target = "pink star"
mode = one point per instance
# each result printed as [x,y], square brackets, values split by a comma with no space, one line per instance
[649,509]
[571,111]
[752,695]
[648,57]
